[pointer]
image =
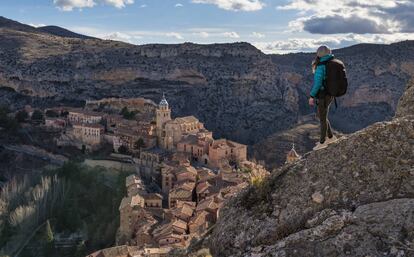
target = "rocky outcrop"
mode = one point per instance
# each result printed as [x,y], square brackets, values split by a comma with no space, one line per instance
[274,148]
[406,104]
[354,198]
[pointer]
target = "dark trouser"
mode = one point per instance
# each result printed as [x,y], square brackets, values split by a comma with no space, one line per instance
[323,110]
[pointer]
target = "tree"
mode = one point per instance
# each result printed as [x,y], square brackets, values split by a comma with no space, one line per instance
[48,233]
[48,239]
[52,114]
[81,250]
[37,115]
[123,150]
[139,144]
[21,116]
[129,115]
[124,111]
[6,122]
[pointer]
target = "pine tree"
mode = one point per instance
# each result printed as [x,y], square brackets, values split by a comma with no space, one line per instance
[48,238]
[48,233]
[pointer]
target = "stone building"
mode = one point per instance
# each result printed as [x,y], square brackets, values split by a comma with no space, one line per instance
[131,210]
[88,133]
[129,132]
[168,179]
[55,123]
[223,150]
[183,192]
[153,200]
[197,146]
[292,155]
[204,189]
[171,131]
[199,223]
[149,163]
[172,234]
[84,116]
[134,185]
[173,174]
[183,210]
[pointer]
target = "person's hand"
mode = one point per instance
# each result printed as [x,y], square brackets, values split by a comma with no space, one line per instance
[311,101]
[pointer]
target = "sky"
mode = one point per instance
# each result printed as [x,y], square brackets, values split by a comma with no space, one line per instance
[273,26]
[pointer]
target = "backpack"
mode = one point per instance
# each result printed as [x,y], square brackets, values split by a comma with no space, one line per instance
[336,82]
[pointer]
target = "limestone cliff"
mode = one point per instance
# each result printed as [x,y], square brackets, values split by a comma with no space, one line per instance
[354,198]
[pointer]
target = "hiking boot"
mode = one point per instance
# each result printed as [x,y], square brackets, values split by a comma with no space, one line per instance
[331,140]
[320,146]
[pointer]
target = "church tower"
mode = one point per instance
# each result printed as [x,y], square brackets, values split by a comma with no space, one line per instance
[292,156]
[163,114]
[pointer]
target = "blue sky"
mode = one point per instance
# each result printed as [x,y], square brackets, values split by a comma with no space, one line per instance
[274,26]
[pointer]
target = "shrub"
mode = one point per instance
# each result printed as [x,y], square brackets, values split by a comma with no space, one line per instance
[21,116]
[37,115]
[52,114]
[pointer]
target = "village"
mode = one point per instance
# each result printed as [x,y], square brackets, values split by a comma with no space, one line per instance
[182,175]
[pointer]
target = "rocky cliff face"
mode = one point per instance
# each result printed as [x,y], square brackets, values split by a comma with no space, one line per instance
[354,198]
[238,91]
[406,104]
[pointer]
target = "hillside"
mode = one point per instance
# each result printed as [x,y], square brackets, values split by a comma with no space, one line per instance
[236,90]
[354,198]
[61,32]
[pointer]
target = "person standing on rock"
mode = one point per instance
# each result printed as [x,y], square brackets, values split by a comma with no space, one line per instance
[329,82]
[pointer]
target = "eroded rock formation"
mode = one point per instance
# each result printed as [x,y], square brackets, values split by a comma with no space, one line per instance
[354,198]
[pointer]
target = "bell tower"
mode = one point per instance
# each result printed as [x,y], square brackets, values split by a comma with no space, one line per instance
[163,114]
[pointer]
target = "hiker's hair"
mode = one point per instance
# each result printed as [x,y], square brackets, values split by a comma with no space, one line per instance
[315,63]
[322,51]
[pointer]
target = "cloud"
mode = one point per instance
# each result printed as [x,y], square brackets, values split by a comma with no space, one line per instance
[258,35]
[179,5]
[201,34]
[337,24]
[69,5]
[143,6]
[337,41]
[234,5]
[175,35]
[37,25]
[352,16]
[231,34]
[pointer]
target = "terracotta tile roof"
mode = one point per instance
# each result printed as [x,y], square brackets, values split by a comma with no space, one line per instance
[88,125]
[187,185]
[186,119]
[179,224]
[182,203]
[132,179]
[202,187]
[153,196]
[180,193]
[187,168]
[131,201]
[207,203]
[84,112]
[199,218]
[224,143]
[205,174]
[185,209]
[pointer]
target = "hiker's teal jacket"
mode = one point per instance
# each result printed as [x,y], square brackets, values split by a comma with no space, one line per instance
[320,74]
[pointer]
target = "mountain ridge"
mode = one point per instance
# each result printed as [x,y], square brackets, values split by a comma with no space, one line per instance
[51,30]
